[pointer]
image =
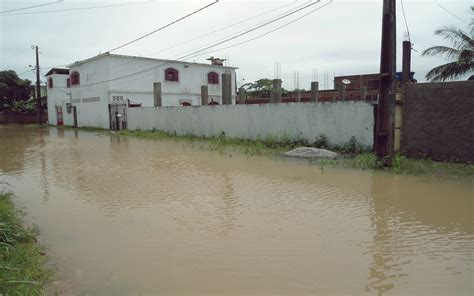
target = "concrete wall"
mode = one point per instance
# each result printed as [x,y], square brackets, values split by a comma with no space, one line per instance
[338,121]
[438,121]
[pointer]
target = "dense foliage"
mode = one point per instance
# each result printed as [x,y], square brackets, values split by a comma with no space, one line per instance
[14,91]
[261,88]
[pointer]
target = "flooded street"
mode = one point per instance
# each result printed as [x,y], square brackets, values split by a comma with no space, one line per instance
[129,216]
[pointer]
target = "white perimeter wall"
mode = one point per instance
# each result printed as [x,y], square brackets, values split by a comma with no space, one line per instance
[337,120]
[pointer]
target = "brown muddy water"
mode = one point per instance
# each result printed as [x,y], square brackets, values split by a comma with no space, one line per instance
[129,216]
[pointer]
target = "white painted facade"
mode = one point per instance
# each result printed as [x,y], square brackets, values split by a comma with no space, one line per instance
[339,121]
[58,96]
[108,76]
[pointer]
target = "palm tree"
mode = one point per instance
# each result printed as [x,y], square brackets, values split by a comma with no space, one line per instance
[462,53]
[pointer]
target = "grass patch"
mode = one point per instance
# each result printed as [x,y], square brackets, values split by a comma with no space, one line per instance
[83,128]
[265,146]
[406,166]
[22,269]
[354,155]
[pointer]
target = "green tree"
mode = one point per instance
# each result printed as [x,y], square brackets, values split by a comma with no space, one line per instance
[461,52]
[261,88]
[13,89]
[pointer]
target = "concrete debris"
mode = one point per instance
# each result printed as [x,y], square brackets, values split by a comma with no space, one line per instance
[311,152]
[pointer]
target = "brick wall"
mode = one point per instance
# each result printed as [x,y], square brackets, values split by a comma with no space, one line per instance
[324,96]
[438,121]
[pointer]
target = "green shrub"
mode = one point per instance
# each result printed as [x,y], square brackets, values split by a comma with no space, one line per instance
[321,142]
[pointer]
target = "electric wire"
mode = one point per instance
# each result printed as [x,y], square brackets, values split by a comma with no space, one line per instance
[25,72]
[165,26]
[252,39]
[269,32]
[78,8]
[150,54]
[260,24]
[451,13]
[224,28]
[208,47]
[29,7]
[187,53]
[405,18]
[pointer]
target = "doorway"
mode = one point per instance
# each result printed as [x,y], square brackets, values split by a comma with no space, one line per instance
[59,115]
[118,115]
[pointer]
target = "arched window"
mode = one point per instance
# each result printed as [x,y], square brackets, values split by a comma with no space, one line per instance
[213,78]
[213,103]
[171,74]
[50,82]
[75,78]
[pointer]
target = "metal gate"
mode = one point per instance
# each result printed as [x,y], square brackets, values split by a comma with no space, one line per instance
[118,115]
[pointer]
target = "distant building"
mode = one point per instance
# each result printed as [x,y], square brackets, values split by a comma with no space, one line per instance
[107,79]
[353,90]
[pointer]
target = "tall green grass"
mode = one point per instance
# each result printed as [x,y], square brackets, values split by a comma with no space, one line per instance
[22,260]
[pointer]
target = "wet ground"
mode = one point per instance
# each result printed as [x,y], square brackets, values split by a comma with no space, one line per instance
[129,216]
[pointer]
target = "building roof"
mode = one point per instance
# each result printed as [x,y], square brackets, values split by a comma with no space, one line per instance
[57,71]
[107,54]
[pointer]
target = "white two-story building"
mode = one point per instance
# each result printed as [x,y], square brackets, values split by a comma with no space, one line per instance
[94,84]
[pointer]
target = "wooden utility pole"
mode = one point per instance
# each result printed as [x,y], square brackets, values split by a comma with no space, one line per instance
[39,107]
[406,62]
[385,125]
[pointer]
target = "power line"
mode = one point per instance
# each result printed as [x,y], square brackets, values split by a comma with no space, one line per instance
[226,27]
[79,8]
[25,72]
[271,31]
[255,28]
[231,25]
[451,13]
[405,18]
[29,7]
[280,15]
[198,51]
[165,26]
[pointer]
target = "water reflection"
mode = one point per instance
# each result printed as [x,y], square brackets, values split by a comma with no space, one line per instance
[408,217]
[189,221]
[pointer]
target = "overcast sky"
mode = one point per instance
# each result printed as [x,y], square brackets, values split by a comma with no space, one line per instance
[340,38]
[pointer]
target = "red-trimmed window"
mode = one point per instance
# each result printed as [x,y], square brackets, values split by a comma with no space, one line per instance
[171,74]
[75,78]
[68,82]
[50,82]
[213,78]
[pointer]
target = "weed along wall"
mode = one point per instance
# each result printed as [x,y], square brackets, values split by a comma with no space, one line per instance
[339,121]
[438,121]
